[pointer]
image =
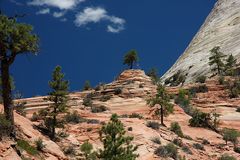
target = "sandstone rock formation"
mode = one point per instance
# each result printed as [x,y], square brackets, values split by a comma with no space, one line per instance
[221,28]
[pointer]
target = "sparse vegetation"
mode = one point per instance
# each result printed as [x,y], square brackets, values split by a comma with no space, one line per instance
[231,135]
[176,128]
[153,74]
[205,142]
[178,142]
[39,144]
[186,149]
[199,89]
[105,98]
[87,148]
[201,79]
[24,145]
[73,118]
[234,88]
[221,80]
[153,125]
[156,140]
[35,117]
[87,100]
[62,134]
[216,60]
[98,109]
[130,129]
[170,150]
[227,157]
[5,126]
[135,115]
[177,79]
[117,91]
[69,150]
[162,99]
[198,146]
[231,63]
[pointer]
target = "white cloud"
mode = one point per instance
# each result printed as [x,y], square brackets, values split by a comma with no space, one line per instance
[98,14]
[44,11]
[61,4]
[58,14]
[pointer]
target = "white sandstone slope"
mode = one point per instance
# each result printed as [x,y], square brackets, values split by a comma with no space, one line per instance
[221,28]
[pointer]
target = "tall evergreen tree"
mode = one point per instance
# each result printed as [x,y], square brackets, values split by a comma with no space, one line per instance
[215,60]
[15,39]
[59,97]
[163,99]
[130,58]
[116,145]
[230,65]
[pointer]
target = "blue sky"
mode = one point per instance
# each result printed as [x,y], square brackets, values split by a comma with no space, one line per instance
[89,38]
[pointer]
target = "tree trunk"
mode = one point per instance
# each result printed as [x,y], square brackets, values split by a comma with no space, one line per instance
[54,124]
[131,66]
[162,116]
[6,93]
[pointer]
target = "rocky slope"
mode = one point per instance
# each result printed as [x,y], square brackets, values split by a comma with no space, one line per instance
[221,28]
[135,89]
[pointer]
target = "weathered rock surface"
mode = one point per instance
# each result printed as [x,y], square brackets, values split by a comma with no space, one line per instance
[221,28]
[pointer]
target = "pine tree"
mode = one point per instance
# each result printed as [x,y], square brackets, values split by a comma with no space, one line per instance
[59,97]
[163,99]
[130,58]
[116,145]
[15,39]
[231,62]
[215,60]
[87,86]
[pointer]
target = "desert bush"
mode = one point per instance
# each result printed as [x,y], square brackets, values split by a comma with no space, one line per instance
[5,126]
[238,109]
[39,144]
[227,157]
[186,149]
[105,98]
[199,119]
[20,108]
[178,142]
[117,91]
[200,89]
[170,150]
[201,79]
[87,148]
[141,85]
[234,88]
[176,128]
[24,145]
[93,121]
[87,101]
[187,137]
[87,86]
[205,141]
[98,109]
[130,129]
[198,146]
[231,135]
[177,79]
[153,125]
[35,117]
[221,80]
[156,140]
[62,134]
[237,149]
[182,99]
[69,150]
[43,113]
[73,118]
[135,115]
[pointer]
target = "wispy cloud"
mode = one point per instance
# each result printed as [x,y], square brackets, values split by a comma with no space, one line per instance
[44,11]
[98,14]
[58,14]
[61,4]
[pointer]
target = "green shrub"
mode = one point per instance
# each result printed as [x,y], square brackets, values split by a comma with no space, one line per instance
[221,80]
[135,115]
[73,118]
[186,149]
[130,129]
[237,149]
[234,88]
[177,79]
[238,109]
[170,150]
[69,150]
[153,125]
[87,86]
[201,79]
[176,128]
[178,142]
[200,119]
[35,117]
[62,134]
[105,98]
[87,101]
[198,146]
[87,148]
[117,91]
[93,121]
[98,109]
[231,135]
[205,141]
[39,144]
[227,157]
[27,147]
[5,126]
[43,113]
[200,89]
[20,108]
[156,140]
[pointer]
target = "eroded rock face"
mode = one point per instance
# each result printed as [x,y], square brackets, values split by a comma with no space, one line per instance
[221,28]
